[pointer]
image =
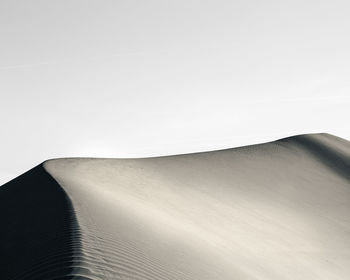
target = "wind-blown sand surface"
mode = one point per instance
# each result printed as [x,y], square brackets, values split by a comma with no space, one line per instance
[279,210]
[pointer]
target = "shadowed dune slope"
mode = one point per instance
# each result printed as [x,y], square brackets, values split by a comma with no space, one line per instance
[38,233]
[272,211]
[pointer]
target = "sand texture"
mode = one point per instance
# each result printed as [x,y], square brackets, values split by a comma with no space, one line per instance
[273,211]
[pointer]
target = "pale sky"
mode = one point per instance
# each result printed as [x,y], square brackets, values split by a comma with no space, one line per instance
[145,78]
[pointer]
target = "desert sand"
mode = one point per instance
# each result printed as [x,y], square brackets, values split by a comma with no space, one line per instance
[274,211]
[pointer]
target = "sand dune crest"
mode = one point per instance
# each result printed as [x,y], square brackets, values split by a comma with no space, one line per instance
[272,211]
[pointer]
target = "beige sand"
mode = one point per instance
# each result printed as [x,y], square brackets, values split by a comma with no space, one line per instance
[279,210]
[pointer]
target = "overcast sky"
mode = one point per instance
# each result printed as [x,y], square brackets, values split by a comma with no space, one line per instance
[143,78]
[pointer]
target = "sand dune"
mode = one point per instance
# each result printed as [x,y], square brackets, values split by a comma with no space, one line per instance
[278,210]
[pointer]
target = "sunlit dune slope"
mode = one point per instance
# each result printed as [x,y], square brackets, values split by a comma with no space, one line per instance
[278,210]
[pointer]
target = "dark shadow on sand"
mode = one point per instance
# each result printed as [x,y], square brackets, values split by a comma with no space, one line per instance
[39,234]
